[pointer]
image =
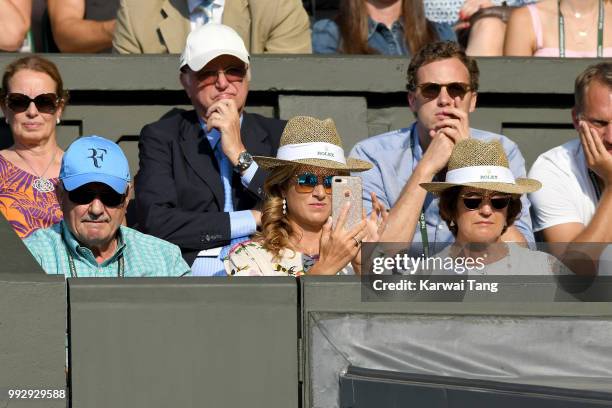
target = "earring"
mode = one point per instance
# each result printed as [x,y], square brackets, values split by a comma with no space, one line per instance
[57,121]
[452,223]
[6,120]
[284,206]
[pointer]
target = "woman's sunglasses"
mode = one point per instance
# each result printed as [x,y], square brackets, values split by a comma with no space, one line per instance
[431,90]
[306,183]
[45,103]
[474,202]
[84,195]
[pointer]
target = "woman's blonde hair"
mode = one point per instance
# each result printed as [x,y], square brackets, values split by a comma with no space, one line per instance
[275,227]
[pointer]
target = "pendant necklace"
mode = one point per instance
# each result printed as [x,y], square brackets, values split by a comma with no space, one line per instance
[41,183]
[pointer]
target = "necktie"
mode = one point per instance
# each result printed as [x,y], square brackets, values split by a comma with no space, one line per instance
[225,168]
[205,8]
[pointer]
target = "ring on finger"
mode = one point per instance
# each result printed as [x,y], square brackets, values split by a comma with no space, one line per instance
[357,242]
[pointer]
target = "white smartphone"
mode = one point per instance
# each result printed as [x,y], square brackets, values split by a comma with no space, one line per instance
[347,188]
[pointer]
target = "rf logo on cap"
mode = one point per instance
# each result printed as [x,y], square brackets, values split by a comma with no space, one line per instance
[97,154]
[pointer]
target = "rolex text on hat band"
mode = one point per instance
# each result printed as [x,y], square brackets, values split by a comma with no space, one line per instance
[313,150]
[480,174]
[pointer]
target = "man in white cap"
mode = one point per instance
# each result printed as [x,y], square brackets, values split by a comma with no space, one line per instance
[90,241]
[198,185]
[161,26]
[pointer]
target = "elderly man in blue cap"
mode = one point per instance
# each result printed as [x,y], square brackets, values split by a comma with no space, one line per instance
[90,241]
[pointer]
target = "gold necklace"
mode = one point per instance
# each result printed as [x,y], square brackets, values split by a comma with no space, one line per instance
[41,183]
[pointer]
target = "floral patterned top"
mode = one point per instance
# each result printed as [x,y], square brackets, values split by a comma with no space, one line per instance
[249,258]
[26,208]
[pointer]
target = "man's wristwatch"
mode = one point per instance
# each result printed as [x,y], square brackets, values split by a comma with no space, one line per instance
[244,162]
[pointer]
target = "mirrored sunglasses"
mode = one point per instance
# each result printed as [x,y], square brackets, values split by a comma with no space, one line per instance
[474,202]
[306,183]
[45,103]
[232,74]
[431,90]
[84,195]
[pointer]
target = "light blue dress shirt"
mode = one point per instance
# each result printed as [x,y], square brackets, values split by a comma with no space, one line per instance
[394,161]
[242,223]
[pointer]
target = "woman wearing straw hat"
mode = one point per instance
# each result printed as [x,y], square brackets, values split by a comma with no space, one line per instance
[479,200]
[296,235]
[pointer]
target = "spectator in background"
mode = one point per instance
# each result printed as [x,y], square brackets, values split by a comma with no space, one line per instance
[32,99]
[161,26]
[480,24]
[15,16]
[198,186]
[565,28]
[297,235]
[389,27]
[442,90]
[90,241]
[575,202]
[83,26]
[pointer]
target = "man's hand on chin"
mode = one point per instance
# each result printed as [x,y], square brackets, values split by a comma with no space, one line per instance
[224,116]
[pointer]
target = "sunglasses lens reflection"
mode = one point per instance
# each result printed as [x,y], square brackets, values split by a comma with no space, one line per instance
[307,182]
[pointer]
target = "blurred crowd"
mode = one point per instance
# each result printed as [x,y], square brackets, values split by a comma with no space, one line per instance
[557,28]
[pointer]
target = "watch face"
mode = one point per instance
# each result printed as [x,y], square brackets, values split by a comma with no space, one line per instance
[244,161]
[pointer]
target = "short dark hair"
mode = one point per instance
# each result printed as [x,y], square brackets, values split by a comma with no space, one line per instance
[601,72]
[448,208]
[437,51]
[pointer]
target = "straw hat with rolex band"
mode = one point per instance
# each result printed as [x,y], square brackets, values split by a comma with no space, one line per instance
[479,164]
[310,141]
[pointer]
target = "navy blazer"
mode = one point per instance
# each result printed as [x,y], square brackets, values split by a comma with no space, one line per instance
[179,192]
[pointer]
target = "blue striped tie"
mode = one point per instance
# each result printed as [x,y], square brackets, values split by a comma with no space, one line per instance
[225,168]
[206,9]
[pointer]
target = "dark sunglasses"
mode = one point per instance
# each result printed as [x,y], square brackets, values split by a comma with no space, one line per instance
[84,195]
[431,90]
[232,74]
[45,103]
[306,183]
[474,202]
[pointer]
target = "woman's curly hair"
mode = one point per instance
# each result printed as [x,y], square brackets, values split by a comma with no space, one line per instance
[275,227]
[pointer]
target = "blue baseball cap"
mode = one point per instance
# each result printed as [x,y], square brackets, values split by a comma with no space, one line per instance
[94,159]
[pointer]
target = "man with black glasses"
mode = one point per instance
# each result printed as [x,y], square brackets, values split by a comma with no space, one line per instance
[90,241]
[198,186]
[442,86]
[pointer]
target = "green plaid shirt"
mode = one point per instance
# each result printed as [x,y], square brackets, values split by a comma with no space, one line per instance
[143,255]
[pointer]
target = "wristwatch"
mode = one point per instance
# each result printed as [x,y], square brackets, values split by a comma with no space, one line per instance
[244,162]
